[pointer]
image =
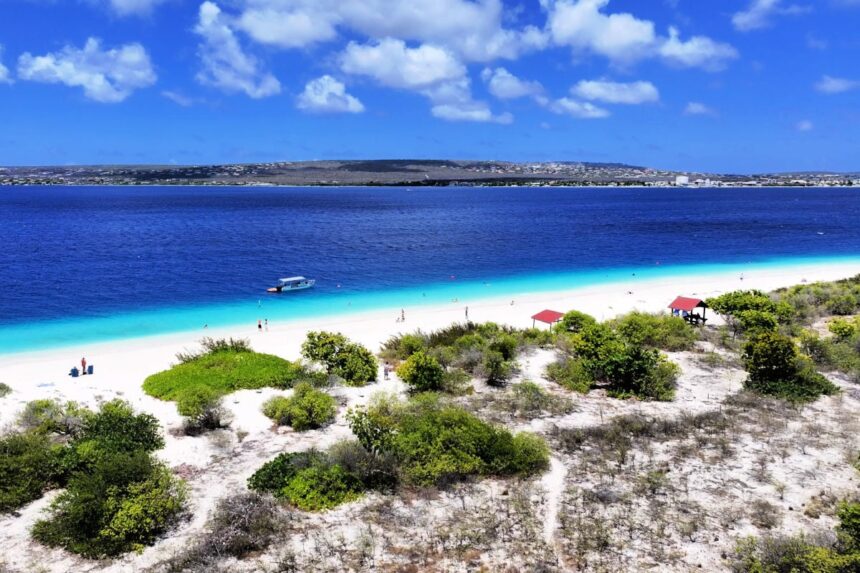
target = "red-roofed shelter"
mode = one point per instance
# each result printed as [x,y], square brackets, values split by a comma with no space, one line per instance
[549,317]
[685,307]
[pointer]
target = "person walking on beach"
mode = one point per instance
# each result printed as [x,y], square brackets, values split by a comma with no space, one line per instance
[83,366]
[402,315]
[259,325]
[385,371]
[467,314]
[266,323]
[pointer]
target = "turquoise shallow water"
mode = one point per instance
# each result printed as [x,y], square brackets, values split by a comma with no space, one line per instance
[45,334]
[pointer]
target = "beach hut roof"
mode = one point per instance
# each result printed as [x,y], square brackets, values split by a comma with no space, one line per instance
[548,316]
[686,303]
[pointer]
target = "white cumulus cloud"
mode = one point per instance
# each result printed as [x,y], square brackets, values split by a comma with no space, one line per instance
[697,108]
[632,93]
[578,109]
[107,76]
[473,30]
[625,39]
[327,95]
[505,85]
[133,7]
[4,71]
[831,85]
[225,64]
[393,64]
[759,14]
[697,52]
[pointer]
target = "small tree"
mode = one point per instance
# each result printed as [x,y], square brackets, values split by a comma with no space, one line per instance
[574,321]
[776,369]
[422,373]
[340,357]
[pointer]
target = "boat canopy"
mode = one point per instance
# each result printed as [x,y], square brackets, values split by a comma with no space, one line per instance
[293,279]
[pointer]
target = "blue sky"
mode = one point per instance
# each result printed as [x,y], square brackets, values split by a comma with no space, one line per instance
[712,85]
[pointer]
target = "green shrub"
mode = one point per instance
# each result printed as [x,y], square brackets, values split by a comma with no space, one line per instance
[496,370]
[642,372]
[122,503]
[843,329]
[849,524]
[776,369]
[655,330]
[30,464]
[115,428]
[307,480]
[754,321]
[437,444]
[570,373]
[597,346]
[352,362]
[52,417]
[842,305]
[731,303]
[198,382]
[574,321]
[529,398]
[422,373]
[274,474]
[375,471]
[306,409]
[5,389]
[321,487]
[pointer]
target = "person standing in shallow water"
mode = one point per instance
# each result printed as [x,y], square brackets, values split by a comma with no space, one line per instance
[259,325]
[83,366]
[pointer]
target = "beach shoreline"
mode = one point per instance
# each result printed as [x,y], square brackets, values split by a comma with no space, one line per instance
[372,327]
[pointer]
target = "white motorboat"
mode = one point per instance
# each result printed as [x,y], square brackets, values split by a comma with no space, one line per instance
[292,283]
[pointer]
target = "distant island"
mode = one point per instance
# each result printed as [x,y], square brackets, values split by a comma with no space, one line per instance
[409,172]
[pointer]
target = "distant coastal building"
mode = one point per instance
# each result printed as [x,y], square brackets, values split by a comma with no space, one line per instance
[682,180]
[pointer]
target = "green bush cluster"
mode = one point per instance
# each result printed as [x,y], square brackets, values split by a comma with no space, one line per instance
[840,352]
[662,331]
[800,555]
[5,389]
[622,356]
[421,442]
[118,497]
[486,351]
[435,443]
[200,380]
[306,409]
[752,311]
[776,368]
[347,360]
[422,373]
[811,301]
[316,481]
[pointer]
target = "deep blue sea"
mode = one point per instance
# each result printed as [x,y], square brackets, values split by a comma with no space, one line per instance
[82,264]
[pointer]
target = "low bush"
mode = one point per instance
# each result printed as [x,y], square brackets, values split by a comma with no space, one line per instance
[352,362]
[307,480]
[211,346]
[30,464]
[122,503]
[777,369]
[574,321]
[205,377]
[422,373]
[5,389]
[661,331]
[800,554]
[52,417]
[436,444]
[306,409]
[626,364]
[570,373]
[118,498]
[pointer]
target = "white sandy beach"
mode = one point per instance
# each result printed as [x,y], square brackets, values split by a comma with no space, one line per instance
[121,367]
